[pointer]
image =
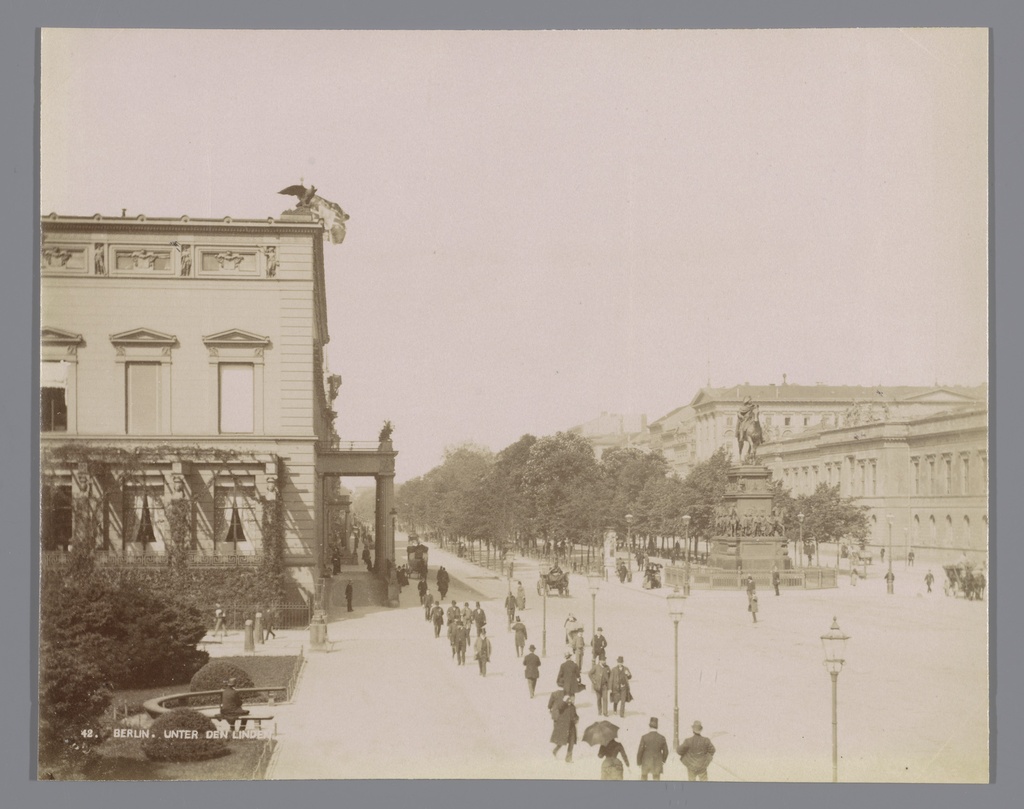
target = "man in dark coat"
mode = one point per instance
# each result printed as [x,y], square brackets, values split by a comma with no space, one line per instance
[652,753]
[569,675]
[461,640]
[366,559]
[618,687]
[532,664]
[479,619]
[600,678]
[482,651]
[520,629]
[929,579]
[510,608]
[565,718]
[696,754]
[442,582]
[428,604]
[598,645]
[437,616]
[422,589]
[776,578]
[348,595]
[751,588]
[231,703]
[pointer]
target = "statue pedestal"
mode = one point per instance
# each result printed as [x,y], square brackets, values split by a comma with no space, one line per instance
[748,498]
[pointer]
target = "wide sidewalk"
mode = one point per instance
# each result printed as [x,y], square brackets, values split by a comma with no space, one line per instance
[388,701]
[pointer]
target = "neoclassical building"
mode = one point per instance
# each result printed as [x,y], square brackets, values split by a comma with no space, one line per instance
[183,359]
[929,474]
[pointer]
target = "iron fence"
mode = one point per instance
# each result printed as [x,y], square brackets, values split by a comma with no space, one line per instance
[286,616]
[704,579]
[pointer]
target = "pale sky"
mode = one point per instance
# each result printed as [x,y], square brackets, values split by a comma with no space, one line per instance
[547,225]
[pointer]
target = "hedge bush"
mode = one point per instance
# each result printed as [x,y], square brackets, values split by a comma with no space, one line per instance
[215,674]
[160,748]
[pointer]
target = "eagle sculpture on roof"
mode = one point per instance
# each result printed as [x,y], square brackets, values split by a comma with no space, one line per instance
[304,194]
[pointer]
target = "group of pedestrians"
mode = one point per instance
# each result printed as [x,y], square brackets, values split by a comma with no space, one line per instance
[461,622]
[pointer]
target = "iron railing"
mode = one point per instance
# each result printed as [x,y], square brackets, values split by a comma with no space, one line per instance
[704,579]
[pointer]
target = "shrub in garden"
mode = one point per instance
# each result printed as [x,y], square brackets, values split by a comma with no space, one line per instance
[215,674]
[72,698]
[191,746]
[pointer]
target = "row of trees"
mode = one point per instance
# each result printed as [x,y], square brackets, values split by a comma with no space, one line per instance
[554,488]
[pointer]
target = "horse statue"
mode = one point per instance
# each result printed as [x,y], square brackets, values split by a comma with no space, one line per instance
[748,431]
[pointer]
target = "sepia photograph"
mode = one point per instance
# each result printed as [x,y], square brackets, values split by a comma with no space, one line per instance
[565,405]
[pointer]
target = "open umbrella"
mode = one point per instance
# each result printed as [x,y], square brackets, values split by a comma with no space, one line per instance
[600,732]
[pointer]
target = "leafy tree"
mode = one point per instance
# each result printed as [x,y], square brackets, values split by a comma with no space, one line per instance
[828,517]
[561,485]
[626,471]
[704,489]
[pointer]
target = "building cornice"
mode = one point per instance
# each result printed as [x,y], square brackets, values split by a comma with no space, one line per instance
[54,223]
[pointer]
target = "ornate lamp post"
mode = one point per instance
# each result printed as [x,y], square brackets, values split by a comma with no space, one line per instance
[593,584]
[686,533]
[800,550]
[889,576]
[676,600]
[834,643]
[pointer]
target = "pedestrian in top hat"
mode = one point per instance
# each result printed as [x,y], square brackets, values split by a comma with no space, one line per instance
[600,678]
[422,589]
[437,616]
[598,645]
[696,754]
[532,664]
[348,595]
[618,687]
[569,675]
[752,607]
[652,753]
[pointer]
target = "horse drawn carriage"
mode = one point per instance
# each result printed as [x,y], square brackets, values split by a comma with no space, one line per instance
[964,580]
[555,579]
[417,553]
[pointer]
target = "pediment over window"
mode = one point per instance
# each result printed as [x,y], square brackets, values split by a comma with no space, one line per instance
[143,337]
[235,337]
[50,336]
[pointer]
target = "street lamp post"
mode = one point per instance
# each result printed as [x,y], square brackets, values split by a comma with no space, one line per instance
[834,643]
[686,532]
[889,576]
[676,600]
[800,550]
[594,584]
[544,631]
[629,540]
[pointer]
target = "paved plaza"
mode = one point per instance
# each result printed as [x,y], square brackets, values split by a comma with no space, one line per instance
[388,701]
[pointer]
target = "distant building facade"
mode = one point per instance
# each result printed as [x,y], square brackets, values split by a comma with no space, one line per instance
[610,430]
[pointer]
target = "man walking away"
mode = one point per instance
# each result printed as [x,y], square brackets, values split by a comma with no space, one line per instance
[428,603]
[348,595]
[532,664]
[652,753]
[696,754]
[569,675]
[929,579]
[752,607]
[422,589]
[482,651]
[520,629]
[776,578]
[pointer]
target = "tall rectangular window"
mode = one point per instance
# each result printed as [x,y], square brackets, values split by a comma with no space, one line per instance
[965,476]
[53,381]
[236,398]
[142,398]
[949,476]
